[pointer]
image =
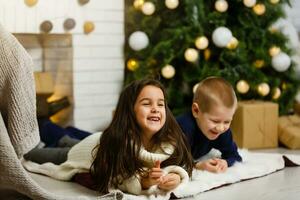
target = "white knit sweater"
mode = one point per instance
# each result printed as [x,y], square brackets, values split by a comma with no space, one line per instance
[80,158]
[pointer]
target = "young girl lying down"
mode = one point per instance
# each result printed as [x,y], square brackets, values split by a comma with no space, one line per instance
[142,151]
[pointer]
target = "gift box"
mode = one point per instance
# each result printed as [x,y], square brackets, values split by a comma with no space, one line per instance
[255,125]
[289,131]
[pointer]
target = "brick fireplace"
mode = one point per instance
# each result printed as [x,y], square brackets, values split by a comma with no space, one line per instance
[88,68]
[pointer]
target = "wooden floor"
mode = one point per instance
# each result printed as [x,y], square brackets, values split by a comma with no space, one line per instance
[283,184]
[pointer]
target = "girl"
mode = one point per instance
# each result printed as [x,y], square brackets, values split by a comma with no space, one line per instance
[142,149]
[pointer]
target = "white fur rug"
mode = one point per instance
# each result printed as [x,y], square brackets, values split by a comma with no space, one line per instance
[254,165]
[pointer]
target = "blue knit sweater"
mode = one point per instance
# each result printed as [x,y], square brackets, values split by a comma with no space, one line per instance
[201,145]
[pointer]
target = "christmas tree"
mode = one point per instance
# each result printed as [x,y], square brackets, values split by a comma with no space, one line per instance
[185,41]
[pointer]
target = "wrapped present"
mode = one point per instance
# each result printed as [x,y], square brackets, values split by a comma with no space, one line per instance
[289,131]
[255,125]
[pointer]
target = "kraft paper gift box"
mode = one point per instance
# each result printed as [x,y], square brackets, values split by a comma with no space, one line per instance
[255,125]
[289,131]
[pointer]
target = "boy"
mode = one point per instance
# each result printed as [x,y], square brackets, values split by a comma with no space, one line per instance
[208,125]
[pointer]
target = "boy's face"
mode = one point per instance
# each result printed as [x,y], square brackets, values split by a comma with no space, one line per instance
[215,122]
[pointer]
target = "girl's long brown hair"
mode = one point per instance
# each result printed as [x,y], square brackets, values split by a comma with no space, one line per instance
[117,155]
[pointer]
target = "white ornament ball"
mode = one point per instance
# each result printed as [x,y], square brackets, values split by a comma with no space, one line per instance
[263,89]
[195,88]
[191,54]
[297,98]
[138,40]
[249,3]
[281,62]
[201,42]
[221,5]
[168,71]
[221,36]
[148,8]
[172,4]
[296,60]
[242,86]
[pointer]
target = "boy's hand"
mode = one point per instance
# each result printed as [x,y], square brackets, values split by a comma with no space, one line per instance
[169,181]
[215,165]
[154,176]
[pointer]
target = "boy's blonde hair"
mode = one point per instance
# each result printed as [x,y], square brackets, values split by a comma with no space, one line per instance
[214,91]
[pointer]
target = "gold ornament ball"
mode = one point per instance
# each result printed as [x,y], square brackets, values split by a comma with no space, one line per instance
[233,43]
[171,4]
[274,50]
[276,93]
[242,86]
[138,4]
[249,3]
[221,5]
[274,1]
[191,54]
[201,42]
[259,9]
[195,88]
[83,2]
[88,27]
[148,8]
[284,86]
[263,89]
[207,54]
[132,64]
[259,63]
[46,26]
[30,3]
[168,71]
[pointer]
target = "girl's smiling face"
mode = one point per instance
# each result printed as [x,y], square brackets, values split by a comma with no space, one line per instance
[150,111]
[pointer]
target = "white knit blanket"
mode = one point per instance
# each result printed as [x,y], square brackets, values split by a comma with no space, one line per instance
[254,165]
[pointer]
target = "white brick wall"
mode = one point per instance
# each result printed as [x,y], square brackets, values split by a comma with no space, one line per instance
[97,57]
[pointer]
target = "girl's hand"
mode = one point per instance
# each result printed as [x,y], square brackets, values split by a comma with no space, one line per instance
[169,181]
[215,165]
[154,176]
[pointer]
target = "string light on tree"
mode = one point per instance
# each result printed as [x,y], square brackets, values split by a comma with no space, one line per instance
[171,4]
[249,3]
[263,89]
[259,63]
[148,8]
[259,9]
[201,42]
[281,62]
[233,43]
[138,40]
[276,93]
[132,64]
[138,4]
[221,5]
[274,50]
[207,54]
[274,1]
[191,55]
[242,86]
[168,71]
[221,36]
